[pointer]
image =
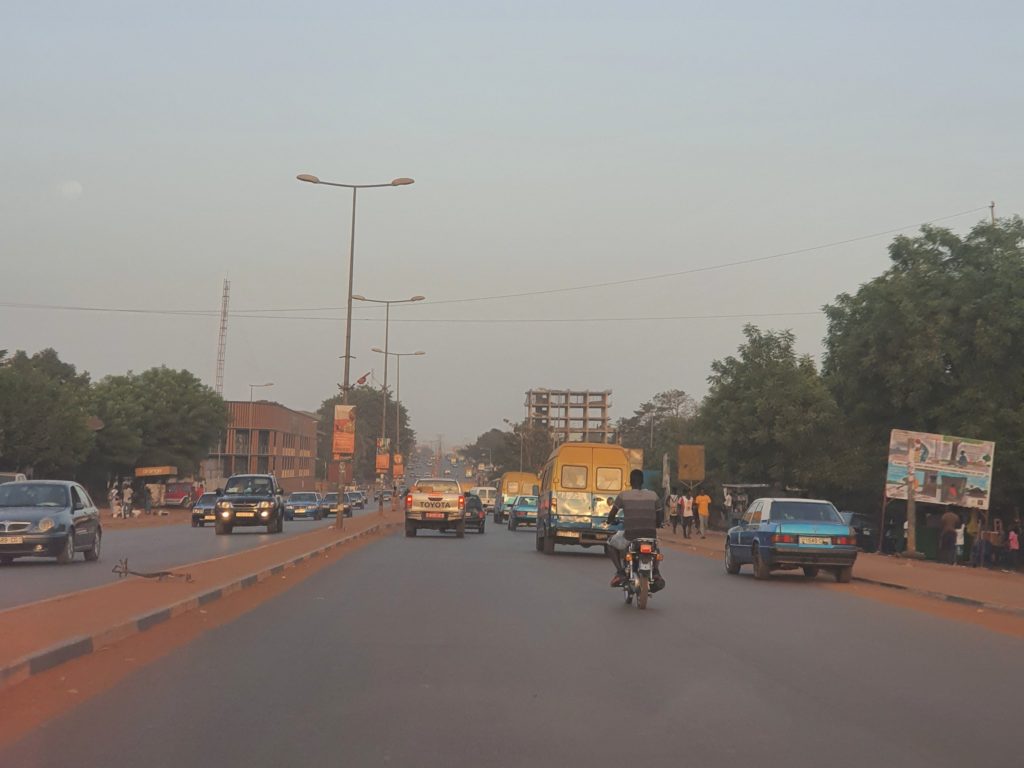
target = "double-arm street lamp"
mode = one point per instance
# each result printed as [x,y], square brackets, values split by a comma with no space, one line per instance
[310,178]
[398,390]
[248,461]
[387,323]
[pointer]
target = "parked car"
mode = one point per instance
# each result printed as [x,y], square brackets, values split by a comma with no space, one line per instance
[250,500]
[476,513]
[178,494]
[203,511]
[866,529]
[786,534]
[303,504]
[48,518]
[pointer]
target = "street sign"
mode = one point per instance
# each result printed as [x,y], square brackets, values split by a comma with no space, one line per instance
[691,463]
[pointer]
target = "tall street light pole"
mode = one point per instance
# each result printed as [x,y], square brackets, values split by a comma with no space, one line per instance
[398,389]
[248,461]
[310,178]
[384,387]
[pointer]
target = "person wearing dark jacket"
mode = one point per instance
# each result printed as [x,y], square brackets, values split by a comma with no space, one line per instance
[636,505]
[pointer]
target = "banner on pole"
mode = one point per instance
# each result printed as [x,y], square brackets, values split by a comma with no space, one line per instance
[343,439]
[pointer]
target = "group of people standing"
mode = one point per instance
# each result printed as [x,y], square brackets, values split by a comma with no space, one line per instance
[122,499]
[692,513]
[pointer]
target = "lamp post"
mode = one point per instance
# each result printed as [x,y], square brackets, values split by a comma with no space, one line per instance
[384,387]
[398,389]
[311,179]
[248,461]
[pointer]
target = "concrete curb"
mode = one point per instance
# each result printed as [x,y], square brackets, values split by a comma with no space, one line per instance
[75,647]
[968,601]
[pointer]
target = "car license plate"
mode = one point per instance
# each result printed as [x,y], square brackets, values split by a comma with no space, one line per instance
[12,540]
[435,515]
[209,517]
[245,514]
[569,534]
[819,540]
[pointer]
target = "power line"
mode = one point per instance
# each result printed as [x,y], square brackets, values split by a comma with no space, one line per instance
[664,275]
[448,320]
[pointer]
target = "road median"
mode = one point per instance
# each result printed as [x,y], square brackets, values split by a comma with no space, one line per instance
[43,635]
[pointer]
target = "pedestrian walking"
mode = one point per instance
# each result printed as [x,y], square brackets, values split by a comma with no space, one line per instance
[947,536]
[703,503]
[1013,548]
[126,501]
[961,529]
[686,511]
[115,507]
[147,500]
[673,510]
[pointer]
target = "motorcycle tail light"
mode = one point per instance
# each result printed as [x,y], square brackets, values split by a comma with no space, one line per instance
[645,549]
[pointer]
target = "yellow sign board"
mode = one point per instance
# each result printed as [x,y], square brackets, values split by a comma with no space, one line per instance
[691,463]
[155,471]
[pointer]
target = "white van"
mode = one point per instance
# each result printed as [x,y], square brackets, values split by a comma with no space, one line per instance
[487,496]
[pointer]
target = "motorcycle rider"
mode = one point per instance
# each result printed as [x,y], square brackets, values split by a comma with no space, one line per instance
[635,504]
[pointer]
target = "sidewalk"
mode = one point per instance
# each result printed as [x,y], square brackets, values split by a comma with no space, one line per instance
[971,586]
[44,634]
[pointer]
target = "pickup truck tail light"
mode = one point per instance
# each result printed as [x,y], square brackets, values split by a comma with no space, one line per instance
[408,501]
[462,503]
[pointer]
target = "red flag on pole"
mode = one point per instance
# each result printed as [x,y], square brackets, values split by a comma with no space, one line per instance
[362,379]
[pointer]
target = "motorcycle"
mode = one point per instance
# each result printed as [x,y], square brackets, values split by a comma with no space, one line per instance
[640,559]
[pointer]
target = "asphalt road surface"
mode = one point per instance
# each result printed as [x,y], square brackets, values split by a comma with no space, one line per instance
[147,549]
[482,652]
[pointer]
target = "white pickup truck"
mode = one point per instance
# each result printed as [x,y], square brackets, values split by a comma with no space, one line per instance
[435,503]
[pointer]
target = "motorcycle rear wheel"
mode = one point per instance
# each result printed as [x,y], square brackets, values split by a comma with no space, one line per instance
[644,593]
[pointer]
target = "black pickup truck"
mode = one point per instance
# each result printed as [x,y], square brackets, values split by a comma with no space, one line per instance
[249,500]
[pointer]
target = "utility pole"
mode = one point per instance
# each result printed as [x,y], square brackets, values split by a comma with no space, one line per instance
[992,210]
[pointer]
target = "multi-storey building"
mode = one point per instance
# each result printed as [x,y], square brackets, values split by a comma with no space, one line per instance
[572,415]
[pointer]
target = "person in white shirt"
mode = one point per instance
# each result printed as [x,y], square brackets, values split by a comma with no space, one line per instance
[686,503]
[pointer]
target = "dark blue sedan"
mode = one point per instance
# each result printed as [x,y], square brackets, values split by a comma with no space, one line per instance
[786,534]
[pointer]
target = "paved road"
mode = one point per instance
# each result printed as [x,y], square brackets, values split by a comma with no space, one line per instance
[481,652]
[147,549]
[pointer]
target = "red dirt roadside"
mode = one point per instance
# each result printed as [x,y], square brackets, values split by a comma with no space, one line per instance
[36,626]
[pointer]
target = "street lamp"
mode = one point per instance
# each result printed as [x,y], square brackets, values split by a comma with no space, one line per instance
[387,322]
[515,428]
[398,390]
[248,461]
[311,179]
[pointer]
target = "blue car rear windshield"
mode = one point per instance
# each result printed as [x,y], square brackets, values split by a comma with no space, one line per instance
[805,512]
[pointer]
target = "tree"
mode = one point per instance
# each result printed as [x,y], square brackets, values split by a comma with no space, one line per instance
[368,401]
[44,411]
[768,417]
[936,344]
[659,426]
[158,417]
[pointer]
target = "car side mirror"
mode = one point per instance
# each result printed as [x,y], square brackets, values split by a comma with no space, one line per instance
[78,505]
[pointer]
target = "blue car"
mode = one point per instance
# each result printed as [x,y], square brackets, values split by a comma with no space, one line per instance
[303,505]
[522,511]
[786,534]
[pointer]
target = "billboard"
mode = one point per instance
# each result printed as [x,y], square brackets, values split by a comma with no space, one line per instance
[343,441]
[399,468]
[156,471]
[691,463]
[636,458]
[942,469]
[383,454]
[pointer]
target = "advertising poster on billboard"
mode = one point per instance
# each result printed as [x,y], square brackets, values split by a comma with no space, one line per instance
[399,468]
[343,441]
[383,454]
[942,469]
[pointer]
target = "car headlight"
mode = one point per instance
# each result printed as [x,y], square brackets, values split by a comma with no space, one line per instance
[46,524]
[266,504]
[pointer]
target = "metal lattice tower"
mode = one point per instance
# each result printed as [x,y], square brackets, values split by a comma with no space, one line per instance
[222,337]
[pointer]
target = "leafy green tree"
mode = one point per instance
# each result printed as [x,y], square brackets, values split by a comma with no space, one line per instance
[368,401]
[768,417]
[158,417]
[659,426]
[936,344]
[44,414]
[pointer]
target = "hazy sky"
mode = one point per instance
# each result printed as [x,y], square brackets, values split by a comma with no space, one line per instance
[150,149]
